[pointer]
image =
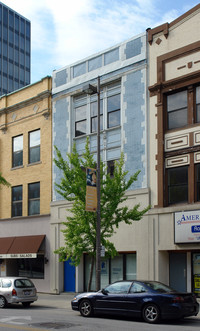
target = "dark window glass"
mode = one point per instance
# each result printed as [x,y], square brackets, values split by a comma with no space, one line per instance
[94,121]
[17,201]
[27,29]
[16,56]
[16,22]
[22,43]
[10,85]
[17,159]
[111,168]
[113,109]
[11,19]
[11,36]
[16,39]
[177,185]
[34,199]
[177,110]
[34,146]
[5,16]
[31,268]
[11,53]
[22,26]
[198,104]
[5,50]
[5,33]
[80,120]
[198,181]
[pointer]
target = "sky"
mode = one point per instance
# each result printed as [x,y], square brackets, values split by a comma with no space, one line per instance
[66,31]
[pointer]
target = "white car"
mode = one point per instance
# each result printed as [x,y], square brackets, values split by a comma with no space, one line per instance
[16,290]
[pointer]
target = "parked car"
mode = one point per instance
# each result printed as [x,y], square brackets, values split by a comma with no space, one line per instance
[16,290]
[147,299]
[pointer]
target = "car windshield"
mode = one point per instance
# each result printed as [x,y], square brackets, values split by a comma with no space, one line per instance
[23,283]
[159,287]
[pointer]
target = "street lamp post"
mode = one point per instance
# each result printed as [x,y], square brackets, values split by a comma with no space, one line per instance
[90,89]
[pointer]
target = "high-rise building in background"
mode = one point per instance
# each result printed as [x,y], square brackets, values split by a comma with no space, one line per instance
[15,41]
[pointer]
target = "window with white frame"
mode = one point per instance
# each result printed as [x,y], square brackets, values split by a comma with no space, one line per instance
[34,146]
[17,151]
[85,110]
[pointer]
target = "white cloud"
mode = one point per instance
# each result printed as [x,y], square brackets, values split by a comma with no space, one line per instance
[65,31]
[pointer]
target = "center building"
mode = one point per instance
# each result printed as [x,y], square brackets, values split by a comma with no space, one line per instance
[123,78]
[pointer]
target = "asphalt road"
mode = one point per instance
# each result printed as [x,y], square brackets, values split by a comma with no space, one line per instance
[53,312]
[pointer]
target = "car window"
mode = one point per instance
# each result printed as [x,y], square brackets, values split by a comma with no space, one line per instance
[22,283]
[137,288]
[116,288]
[159,287]
[6,283]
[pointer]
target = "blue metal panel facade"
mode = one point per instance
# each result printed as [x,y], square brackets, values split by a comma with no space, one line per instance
[122,70]
[135,126]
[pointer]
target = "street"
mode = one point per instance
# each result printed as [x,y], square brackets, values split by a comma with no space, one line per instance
[53,312]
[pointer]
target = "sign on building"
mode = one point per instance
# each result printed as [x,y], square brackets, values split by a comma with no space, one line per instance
[187,226]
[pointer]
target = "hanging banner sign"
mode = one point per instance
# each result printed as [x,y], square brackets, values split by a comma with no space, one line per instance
[91,190]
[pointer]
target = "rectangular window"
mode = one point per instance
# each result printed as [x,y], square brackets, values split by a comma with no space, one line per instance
[197,168]
[121,267]
[198,104]
[177,110]
[34,199]
[111,168]
[17,154]
[80,120]
[177,185]
[31,268]
[93,112]
[34,146]
[113,110]
[17,201]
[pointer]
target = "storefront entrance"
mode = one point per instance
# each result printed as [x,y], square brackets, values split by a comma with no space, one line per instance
[178,271]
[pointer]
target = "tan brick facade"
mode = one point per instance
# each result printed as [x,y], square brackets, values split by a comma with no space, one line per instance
[21,112]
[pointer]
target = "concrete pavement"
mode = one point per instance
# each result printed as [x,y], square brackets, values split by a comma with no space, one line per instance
[62,300]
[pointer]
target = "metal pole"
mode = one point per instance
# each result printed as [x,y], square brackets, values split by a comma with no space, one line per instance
[98,225]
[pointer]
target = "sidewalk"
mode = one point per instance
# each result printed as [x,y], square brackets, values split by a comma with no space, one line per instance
[62,300]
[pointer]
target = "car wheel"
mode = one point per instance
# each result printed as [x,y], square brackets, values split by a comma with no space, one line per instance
[86,308]
[3,302]
[151,313]
[26,304]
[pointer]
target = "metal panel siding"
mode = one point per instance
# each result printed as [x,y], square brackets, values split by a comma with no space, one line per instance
[95,63]
[134,127]
[61,78]
[79,69]
[111,56]
[60,137]
[133,48]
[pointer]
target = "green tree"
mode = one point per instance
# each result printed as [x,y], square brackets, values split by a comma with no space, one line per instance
[3,181]
[80,228]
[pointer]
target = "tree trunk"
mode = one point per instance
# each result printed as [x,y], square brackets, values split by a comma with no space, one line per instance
[91,274]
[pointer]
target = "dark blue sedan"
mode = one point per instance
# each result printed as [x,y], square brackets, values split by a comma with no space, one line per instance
[147,299]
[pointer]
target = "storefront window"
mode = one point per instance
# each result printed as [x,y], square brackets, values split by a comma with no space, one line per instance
[131,266]
[117,268]
[196,274]
[121,267]
[31,268]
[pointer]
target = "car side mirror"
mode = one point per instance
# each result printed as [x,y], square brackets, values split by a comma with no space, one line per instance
[104,291]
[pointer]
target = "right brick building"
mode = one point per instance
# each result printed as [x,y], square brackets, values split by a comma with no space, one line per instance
[174,150]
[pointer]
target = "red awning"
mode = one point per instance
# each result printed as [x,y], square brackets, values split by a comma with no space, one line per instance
[21,245]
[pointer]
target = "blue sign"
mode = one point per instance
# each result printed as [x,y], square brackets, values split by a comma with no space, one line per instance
[196,228]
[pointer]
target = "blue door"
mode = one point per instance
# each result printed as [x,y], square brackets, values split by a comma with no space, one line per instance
[69,277]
